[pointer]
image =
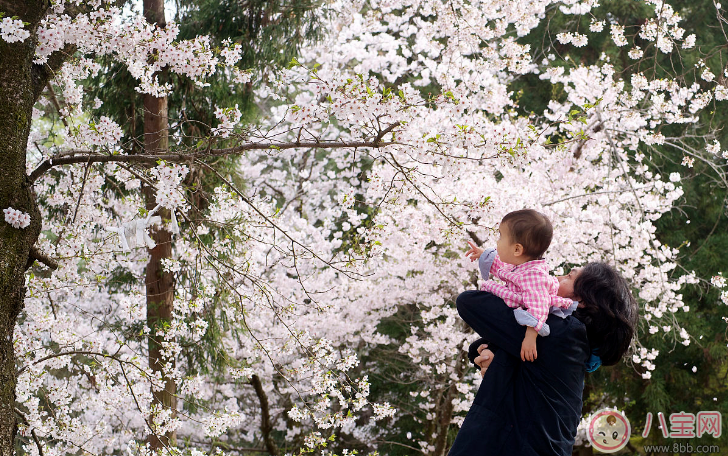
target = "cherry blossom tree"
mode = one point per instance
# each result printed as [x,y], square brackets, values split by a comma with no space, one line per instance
[132,42]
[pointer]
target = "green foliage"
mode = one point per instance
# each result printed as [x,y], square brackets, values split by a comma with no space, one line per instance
[395,380]
[698,225]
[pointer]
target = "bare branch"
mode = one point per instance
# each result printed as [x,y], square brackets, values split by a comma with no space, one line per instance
[36,254]
[434,204]
[274,225]
[87,353]
[32,431]
[203,153]
[80,193]
[384,132]
[56,104]
[606,192]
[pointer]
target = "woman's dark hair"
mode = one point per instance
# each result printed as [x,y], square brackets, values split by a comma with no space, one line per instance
[609,310]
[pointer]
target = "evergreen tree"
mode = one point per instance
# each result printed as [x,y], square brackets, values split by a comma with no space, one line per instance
[686,378]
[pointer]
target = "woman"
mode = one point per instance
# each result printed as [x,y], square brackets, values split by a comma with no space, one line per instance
[533,408]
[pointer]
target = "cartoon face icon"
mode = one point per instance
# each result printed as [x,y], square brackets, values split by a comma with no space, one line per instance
[608,431]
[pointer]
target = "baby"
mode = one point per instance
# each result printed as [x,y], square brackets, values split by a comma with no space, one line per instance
[527,286]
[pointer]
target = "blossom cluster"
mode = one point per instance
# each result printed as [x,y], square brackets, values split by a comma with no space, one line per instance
[104,132]
[719,282]
[12,30]
[229,118]
[132,42]
[169,178]
[16,218]
[231,52]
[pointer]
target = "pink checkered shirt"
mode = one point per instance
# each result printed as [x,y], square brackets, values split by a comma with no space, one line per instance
[529,286]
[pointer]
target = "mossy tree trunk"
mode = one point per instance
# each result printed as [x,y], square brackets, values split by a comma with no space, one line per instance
[20,84]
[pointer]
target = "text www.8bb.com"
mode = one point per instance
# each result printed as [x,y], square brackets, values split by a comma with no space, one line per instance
[682,448]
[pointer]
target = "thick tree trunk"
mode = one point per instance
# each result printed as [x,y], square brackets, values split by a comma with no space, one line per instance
[446,411]
[266,427]
[159,284]
[17,96]
[160,296]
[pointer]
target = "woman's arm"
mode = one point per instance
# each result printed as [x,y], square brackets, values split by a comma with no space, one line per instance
[481,354]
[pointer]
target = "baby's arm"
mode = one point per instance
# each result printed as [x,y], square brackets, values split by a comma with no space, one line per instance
[561,303]
[537,301]
[485,262]
[501,291]
[486,258]
[526,319]
[474,252]
[528,347]
[488,261]
[497,267]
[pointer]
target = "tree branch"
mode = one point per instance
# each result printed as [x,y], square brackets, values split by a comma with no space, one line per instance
[385,131]
[201,153]
[32,431]
[606,192]
[41,74]
[56,104]
[83,352]
[36,254]
[475,238]
[247,201]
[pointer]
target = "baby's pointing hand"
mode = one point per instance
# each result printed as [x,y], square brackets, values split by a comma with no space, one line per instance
[474,252]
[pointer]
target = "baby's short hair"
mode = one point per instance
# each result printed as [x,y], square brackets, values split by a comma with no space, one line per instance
[531,229]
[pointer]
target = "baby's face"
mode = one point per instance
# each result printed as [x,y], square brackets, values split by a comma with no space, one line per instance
[507,248]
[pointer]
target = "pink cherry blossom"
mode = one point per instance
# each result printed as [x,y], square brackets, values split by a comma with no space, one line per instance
[16,218]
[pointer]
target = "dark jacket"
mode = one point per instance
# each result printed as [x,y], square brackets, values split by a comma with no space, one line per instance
[522,408]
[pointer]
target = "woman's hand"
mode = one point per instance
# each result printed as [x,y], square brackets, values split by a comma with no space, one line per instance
[484,358]
[474,252]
